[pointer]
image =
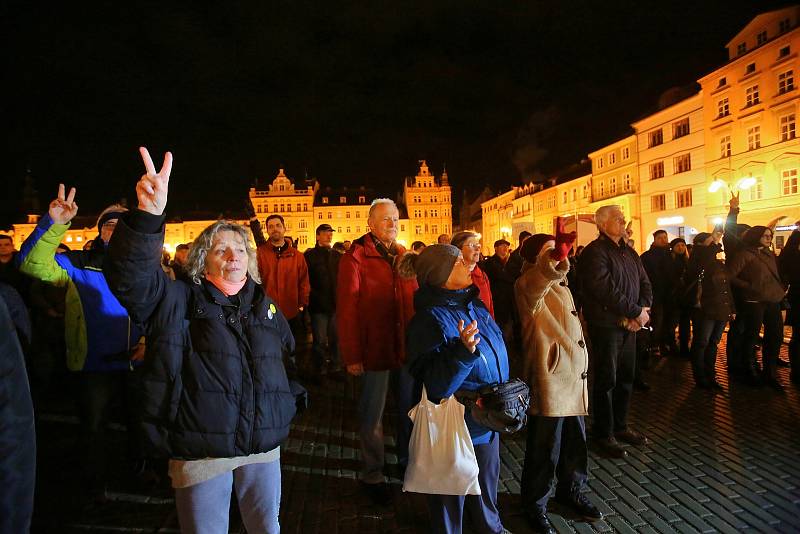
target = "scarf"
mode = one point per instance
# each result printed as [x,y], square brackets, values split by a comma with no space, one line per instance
[227,288]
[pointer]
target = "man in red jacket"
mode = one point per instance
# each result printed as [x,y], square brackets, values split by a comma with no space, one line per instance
[373,306]
[284,273]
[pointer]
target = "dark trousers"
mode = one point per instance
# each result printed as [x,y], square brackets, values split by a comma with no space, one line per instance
[706,335]
[555,450]
[448,511]
[679,317]
[734,348]
[614,361]
[324,340]
[100,394]
[658,322]
[794,351]
[769,314]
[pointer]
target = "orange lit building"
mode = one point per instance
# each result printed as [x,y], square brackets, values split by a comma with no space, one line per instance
[750,108]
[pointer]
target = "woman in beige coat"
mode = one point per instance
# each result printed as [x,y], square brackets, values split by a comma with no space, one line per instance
[556,365]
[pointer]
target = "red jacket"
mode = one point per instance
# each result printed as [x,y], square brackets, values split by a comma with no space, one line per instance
[373,306]
[481,281]
[284,277]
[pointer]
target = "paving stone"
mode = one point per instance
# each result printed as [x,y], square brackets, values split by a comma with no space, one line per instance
[656,524]
[692,519]
[631,500]
[630,516]
[661,509]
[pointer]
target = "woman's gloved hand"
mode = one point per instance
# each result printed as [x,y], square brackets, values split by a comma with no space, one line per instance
[564,241]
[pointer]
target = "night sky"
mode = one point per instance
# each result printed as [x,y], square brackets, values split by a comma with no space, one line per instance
[351,94]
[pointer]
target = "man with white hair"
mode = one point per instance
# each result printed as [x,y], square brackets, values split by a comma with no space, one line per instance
[373,306]
[617,296]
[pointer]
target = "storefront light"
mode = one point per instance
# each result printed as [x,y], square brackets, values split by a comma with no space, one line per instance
[670,221]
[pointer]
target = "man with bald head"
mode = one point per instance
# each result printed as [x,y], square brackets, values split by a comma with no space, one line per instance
[617,296]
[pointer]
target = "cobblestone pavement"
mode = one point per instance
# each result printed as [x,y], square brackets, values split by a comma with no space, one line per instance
[727,462]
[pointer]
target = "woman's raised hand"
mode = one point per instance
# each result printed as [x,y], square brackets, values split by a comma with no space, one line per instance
[62,210]
[468,334]
[152,188]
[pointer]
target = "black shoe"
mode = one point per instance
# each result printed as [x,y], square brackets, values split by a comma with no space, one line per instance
[641,385]
[632,437]
[579,503]
[539,522]
[610,448]
[379,494]
[774,384]
[716,386]
[782,363]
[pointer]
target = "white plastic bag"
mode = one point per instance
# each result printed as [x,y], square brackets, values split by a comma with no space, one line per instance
[441,458]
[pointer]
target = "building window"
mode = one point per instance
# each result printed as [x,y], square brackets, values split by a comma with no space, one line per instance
[339,229]
[612,158]
[787,127]
[540,205]
[683,198]
[330,215]
[680,128]
[741,48]
[434,228]
[761,38]
[626,181]
[656,138]
[551,201]
[626,153]
[612,187]
[601,189]
[751,96]
[564,197]
[324,200]
[342,200]
[585,191]
[750,68]
[599,163]
[362,199]
[725,146]
[723,108]
[682,163]
[657,170]
[785,51]
[574,194]
[722,82]
[753,137]
[785,81]
[756,191]
[347,215]
[658,202]
[789,181]
[784,25]
[319,215]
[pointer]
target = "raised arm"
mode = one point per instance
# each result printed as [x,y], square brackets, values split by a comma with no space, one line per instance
[133,269]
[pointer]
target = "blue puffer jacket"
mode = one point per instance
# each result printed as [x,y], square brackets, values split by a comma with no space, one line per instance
[437,357]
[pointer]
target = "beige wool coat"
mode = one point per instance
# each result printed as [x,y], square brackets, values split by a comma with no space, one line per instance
[556,359]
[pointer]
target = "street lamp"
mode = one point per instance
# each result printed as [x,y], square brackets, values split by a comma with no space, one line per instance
[746,183]
[716,185]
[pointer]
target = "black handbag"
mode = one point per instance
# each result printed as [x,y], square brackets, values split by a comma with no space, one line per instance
[499,407]
[689,296]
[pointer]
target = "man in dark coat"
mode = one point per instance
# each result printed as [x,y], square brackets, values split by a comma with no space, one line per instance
[789,263]
[323,268]
[503,272]
[616,302]
[17,434]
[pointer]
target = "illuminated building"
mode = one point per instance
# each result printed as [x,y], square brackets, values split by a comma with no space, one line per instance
[428,201]
[615,180]
[750,109]
[672,180]
[498,216]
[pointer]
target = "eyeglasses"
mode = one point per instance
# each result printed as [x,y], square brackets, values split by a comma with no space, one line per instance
[473,246]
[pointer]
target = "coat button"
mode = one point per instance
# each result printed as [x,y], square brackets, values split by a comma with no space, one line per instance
[221,316]
[232,320]
[200,311]
[574,312]
[581,344]
[584,375]
[562,283]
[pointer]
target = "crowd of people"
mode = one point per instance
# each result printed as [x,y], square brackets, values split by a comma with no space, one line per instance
[199,349]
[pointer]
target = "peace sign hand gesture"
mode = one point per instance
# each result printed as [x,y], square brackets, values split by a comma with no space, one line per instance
[152,188]
[733,203]
[62,210]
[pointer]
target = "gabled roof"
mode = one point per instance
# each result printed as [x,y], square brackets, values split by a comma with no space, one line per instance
[762,20]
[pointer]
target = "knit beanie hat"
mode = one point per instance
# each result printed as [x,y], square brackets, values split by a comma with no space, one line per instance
[533,245]
[432,266]
[752,236]
[114,211]
[700,238]
[676,241]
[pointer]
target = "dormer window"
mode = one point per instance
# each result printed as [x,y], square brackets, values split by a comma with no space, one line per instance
[324,200]
[761,38]
[751,68]
[784,52]
[741,49]
[785,25]
[722,82]
[342,200]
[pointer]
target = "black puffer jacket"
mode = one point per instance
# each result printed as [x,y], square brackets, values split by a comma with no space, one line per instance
[213,384]
[613,283]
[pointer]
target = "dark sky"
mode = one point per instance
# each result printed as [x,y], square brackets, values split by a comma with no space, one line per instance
[354,93]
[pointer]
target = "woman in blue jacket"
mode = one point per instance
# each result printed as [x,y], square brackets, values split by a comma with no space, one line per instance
[454,344]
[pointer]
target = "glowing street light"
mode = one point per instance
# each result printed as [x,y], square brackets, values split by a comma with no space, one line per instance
[716,185]
[746,183]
